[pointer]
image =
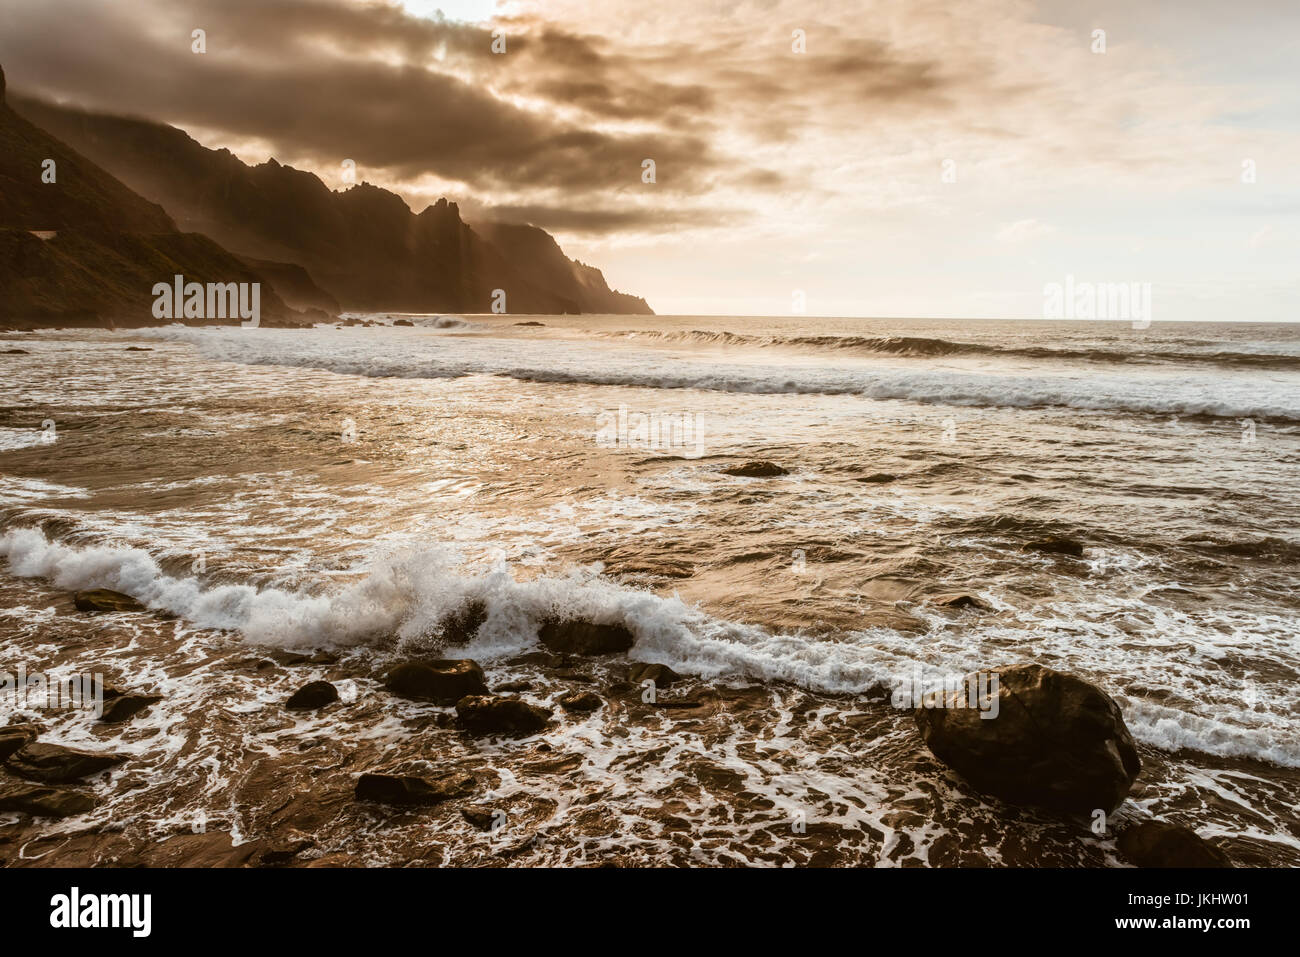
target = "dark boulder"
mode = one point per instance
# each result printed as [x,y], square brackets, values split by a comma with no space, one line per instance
[125,705]
[463,623]
[55,764]
[661,675]
[14,736]
[756,470]
[1056,546]
[1157,844]
[878,478]
[98,600]
[410,790]
[44,802]
[1056,741]
[960,601]
[580,637]
[581,701]
[492,714]
[313,695]
[443,681]
[481,818]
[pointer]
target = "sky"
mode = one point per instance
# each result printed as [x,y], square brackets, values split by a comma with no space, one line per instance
[901,158]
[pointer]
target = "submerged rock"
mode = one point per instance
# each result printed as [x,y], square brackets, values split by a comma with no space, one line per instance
[98,600]
[960,601]
[661,675]
[44,801]
[1158,844]
[756,470]
[493,714]
[581,701]
[1056,546]
[14,736]
[313,695]
[411,790]
[1055,741]
[122,706]
[581,637]
[443,681]
[878,478]
[55,764]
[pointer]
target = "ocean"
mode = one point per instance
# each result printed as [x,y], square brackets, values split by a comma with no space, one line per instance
[299,504]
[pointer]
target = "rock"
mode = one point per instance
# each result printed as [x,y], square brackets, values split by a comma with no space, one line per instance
[138,349]
[403,322]
[661,675]
[444,681]
[1158,844]
[1056,546]
[960,601]
[55,764]
[44,802]
[580,701]
[514,686]
[98,600]
[580,637]
[1056,741]
[410,790]
[14,736]
[493,714]
[463,624]
[122,706]
[530,323]
[15,352]
[879,478]
[313,695]
[283,850]
[481,818]
[756,470]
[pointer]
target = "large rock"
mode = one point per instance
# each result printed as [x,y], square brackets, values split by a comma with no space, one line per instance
[1157,844]
[578,636]
[55,764]
[313,695]
[44,802]
[98,600]
[1056,741]
[411,790]
[493,714]
[444,681]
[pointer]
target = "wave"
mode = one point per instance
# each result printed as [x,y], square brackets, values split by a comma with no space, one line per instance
[559,362]
[399,602]
[923,347]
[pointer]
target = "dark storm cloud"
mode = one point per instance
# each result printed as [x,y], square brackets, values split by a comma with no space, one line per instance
[559,113]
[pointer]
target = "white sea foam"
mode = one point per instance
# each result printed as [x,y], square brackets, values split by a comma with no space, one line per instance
[404,596]
[1257,396]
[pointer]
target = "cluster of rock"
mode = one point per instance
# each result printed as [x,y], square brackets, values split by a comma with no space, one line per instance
[1051,740]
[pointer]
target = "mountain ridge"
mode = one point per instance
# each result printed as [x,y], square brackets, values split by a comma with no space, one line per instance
[364,246]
